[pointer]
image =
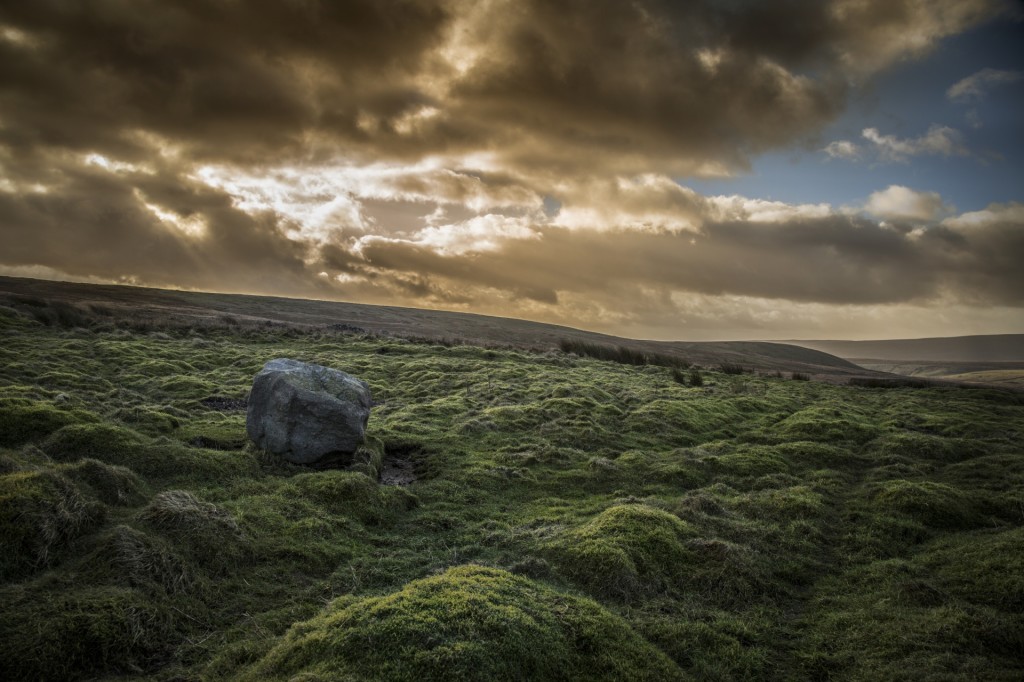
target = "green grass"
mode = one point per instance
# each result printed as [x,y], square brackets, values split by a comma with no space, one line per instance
[574,516]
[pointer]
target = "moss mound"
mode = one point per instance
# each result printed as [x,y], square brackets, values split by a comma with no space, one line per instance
[625,551]
[105,442]
[23,420]
[111,484]
[894,619]
[470,622]
[826,425]
[934,504]
[353,494]
[40,514]
[210,534]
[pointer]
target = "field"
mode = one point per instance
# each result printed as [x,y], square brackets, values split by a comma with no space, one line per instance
[558,517]
[1010,374]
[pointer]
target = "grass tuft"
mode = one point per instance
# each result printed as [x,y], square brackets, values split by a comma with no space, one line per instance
[41,514]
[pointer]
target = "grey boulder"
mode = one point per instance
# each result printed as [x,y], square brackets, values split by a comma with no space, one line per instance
[307,413]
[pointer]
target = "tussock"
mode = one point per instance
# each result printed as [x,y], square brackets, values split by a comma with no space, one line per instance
[127,556]
[115,485]
[41,513]
[210,534]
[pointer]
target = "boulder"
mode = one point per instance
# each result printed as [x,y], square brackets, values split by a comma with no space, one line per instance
[307,413]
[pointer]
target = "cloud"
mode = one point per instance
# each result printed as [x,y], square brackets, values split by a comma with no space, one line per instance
[902,203]
[939,140]
[406,150]
[741,247]
[842,149]
[152,228]
[975,86]
[648,86]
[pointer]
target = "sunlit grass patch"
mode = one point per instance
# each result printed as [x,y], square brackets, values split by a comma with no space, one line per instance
[470,622]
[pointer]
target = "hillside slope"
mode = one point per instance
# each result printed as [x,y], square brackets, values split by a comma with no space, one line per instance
[162,307]
[564,518]
[985,348]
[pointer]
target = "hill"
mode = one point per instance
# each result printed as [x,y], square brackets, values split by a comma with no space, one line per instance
[985,348]
[996,359]
[160,307]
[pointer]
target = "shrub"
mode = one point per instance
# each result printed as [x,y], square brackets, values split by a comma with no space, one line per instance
[470,622]
[731,368]
[799,376]
[696,379]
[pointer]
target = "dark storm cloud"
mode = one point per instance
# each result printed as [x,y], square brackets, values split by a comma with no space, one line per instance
[92,223]
[226,78]
[110,110]
[680,85]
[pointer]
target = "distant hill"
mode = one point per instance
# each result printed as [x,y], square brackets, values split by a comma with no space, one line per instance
[988,348]
[162,307]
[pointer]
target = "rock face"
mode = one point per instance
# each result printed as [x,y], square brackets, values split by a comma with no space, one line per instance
[307,413]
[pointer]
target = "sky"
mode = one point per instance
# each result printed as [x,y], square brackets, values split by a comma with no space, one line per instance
[716,169]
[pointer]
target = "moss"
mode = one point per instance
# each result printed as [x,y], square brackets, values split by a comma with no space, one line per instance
[41,513]
[784,504]
[624,552]
[354,494]
[71,634]
[157,458]
[923,446]
[148,420]
[714,645]
[111,484]
[816,519]
[828,425]
[749,461]
[934,504]
[983,568]
[888,618]
[470,622]
[104,442]
[369,458]
[23,420]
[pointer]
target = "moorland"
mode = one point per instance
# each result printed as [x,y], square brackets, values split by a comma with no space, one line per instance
[517,511]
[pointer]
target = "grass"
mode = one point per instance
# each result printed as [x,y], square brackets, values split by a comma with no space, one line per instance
[620,354]
[470,622]
[563,517]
